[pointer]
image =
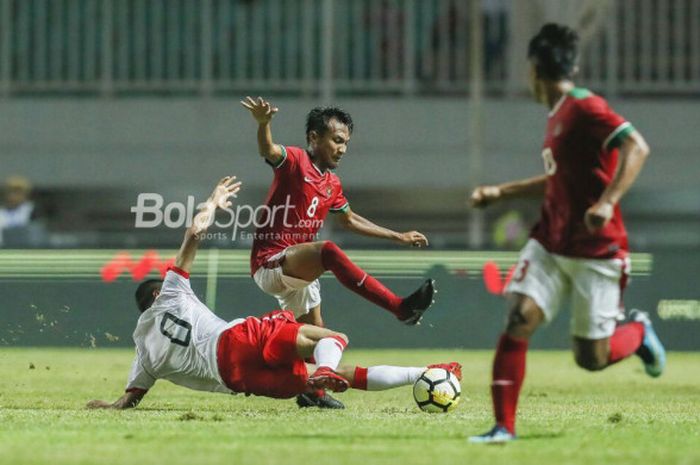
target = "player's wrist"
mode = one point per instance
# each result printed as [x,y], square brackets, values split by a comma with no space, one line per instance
[607,202]
[396,236]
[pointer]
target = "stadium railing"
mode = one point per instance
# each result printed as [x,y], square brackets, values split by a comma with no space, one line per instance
[312,47]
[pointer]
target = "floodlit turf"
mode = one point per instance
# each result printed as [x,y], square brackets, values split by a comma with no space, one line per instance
[619,416]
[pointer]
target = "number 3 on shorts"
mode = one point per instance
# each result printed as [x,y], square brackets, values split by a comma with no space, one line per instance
[521,271]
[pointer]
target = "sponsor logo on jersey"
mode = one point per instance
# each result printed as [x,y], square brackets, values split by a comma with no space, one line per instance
[309,180]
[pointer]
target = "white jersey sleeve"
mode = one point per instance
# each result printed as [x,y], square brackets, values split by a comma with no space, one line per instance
[175,284]
[139,378]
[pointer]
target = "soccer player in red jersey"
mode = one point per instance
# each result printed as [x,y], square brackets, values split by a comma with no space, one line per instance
[286,260]
[578,250]
[179,339]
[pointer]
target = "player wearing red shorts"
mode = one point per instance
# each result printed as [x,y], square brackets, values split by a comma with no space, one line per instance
[578,250]
[286,260]
[179,339]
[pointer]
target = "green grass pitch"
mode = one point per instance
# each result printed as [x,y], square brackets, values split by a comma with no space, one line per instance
[619,416]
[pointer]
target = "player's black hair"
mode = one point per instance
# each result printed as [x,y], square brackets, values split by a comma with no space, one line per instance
[554,51]
[318,118]
[144,293]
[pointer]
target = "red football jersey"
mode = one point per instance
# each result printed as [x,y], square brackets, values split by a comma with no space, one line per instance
[299,200]
[580,157]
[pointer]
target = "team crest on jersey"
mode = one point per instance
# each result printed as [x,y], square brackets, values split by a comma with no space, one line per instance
[329,191]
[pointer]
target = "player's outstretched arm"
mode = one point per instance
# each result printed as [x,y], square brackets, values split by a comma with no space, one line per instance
[360,225]
[262,111]
[130,399]
[219,198]
[633,154]
[484,196]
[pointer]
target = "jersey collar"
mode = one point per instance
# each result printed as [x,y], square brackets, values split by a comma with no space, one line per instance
[311,160]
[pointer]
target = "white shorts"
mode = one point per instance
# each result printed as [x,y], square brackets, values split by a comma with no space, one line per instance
[593,286]
[293,294]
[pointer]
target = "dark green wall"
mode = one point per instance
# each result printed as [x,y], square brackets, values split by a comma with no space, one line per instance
[72,310]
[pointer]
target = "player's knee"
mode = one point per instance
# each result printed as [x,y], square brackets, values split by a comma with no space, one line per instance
[342,336]
[305,343]
[311,318]
[329,247]
[590,363]
[327,250]
[522,323]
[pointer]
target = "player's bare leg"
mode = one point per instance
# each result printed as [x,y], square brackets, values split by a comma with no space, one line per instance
[310,260]
[309,336]
[635,337]
[312,318]
[592,354]
[303,261]
[524,317]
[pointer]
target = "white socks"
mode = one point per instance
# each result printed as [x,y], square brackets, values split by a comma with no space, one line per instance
[383,377]
[328,351]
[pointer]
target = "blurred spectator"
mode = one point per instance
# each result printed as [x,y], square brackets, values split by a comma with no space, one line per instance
[18,214]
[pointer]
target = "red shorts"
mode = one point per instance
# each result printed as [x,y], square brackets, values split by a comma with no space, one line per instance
[259,356]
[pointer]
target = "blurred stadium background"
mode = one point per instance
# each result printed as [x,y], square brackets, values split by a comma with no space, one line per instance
[105,99]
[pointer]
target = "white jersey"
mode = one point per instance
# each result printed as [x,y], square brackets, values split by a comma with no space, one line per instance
[176,340]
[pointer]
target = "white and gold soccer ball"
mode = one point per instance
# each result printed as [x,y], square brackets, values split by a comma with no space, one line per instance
[437,391]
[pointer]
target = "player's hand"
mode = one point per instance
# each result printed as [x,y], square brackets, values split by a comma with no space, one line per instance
[219,198]
[261,109]
[414,239]
[95,404]
[484,196]
[224,190]
[598,215]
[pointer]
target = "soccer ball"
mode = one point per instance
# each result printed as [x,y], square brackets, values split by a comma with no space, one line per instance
[437,391]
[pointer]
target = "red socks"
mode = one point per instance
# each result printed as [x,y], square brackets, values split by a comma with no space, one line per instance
[509,368]
[625,341]
[355,279]
[359,381]
[508,375]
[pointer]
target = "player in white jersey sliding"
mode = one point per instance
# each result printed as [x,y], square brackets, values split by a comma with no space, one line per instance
[179,339]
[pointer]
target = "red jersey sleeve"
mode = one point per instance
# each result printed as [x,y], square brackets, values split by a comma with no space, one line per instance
[603,124]
[340,203]
[290,159]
